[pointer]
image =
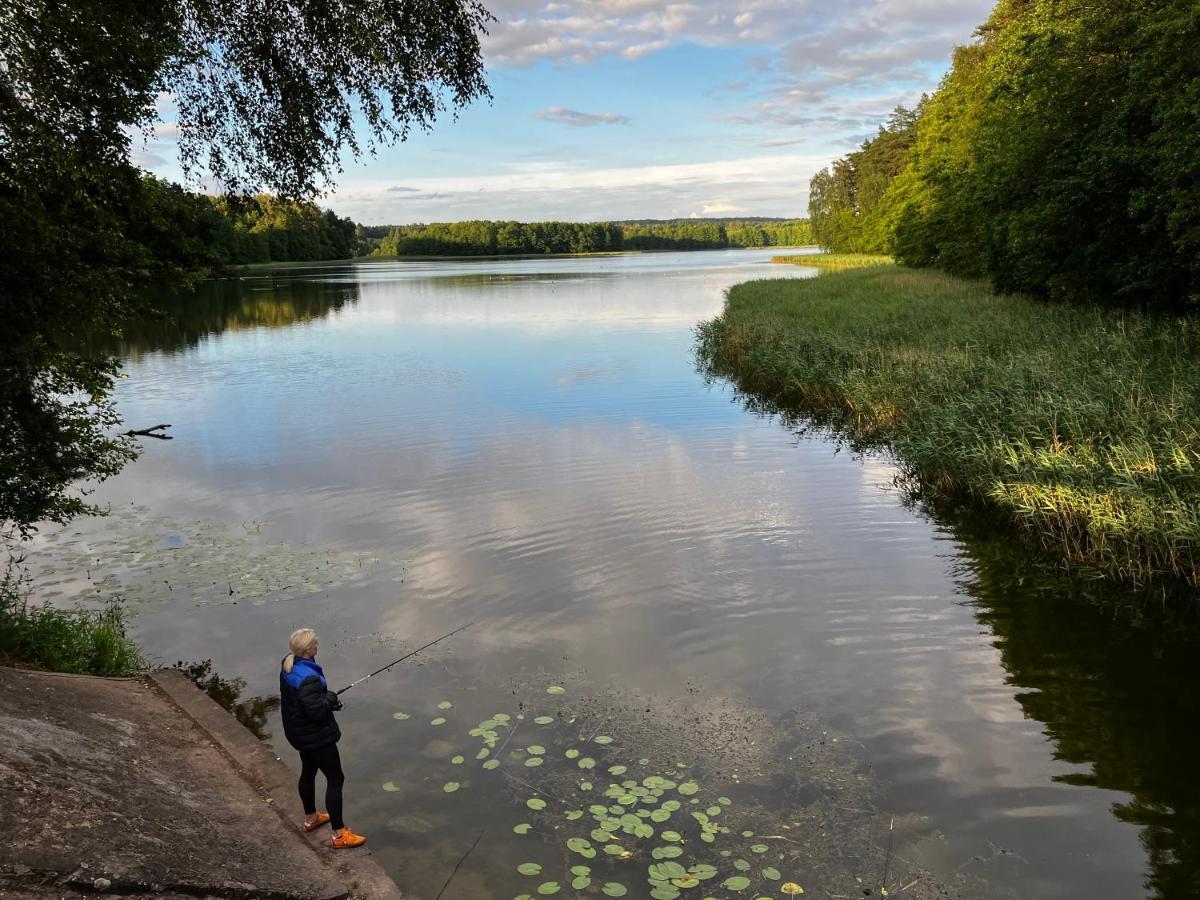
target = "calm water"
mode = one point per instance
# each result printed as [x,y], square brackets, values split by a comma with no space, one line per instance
[385,451]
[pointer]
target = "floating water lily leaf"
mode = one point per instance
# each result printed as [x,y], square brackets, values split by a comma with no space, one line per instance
[445,704]
[451,786]
[617,770]
[555,689]
[456,760]
[534,761]
[713,810]
[613,889]
[673,836]
[571,753]
[736,883]
[530,868]
[644,761]
[664,892]
[438,721]
[741,865]
[600,836]
[573,814]
[581,870]
[544,720]
[549,887]
[671,805]
[614,849]
[747,834]
[536,749]
[401,716]
[759,848]
[686,880]
[585,785]
[724,801]
[703,871]
[671,870]
[501,717]
[659,815]
[791,888]
[668,852]
[580,882]
[523,897]
[483,753]
[536,803]
[523,828]
[602,739]
[491,764]
[391,786]
[587,763]
[771,873]
[688,788]
[578,844]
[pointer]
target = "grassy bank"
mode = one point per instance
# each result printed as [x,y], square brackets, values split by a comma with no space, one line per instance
[91,642]
[1078,425]
[834,261]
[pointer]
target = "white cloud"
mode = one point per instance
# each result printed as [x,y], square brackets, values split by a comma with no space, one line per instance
[576,119]
[758,184]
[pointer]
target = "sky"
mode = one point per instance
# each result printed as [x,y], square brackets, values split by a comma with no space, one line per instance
[621,109]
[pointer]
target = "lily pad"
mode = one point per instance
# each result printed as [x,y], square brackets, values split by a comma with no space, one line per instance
[759,848]
[571,753]
[456,760]
[391,786]
[522,828]
[451,786]
[581,870]
[556,689]
[673,836]
[530,868]
[688,788]
[587,763]
[491,764]
[549,887]
[483,753]
[736,883]
[533,761]
[602,739]
[535,749]
[741,865]
[573,814]
[617,770]
[771,873]
[581,881]
[543,720]
[578,844]
[536,803]
[686,880]
[445,704]
[614,889]
[438,721]
[401,716]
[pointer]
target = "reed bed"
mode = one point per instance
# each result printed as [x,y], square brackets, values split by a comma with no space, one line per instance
[834,261]
[1079,425]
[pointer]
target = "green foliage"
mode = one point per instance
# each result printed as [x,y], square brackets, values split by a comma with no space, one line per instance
[1060,157]
[83,641]
[267,97]
[834,261]
[486,238]
[1079,425]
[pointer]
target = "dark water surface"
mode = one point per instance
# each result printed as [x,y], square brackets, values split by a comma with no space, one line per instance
[385,451]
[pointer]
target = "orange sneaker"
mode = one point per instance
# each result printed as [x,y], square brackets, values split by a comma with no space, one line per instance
[347,839]
[320,820]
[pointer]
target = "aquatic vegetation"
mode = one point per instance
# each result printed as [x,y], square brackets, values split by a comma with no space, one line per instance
[659,826]
[142,559]
[835,261]
[1079,426]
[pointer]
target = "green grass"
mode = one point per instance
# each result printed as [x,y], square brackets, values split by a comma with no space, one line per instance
[1077,425]
[834,261]
[90,642]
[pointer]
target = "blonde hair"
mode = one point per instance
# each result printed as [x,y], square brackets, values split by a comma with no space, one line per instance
[299,643]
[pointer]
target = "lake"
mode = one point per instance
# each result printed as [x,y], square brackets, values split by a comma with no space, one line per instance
[690,617]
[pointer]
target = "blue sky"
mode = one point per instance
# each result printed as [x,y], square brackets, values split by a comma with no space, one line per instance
[610,109]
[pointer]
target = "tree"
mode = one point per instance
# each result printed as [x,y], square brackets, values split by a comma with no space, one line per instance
[267,98]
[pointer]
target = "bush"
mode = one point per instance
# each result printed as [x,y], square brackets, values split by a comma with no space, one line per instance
[83,641]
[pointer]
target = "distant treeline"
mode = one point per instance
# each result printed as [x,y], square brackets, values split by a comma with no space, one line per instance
[1060,157]
[488,238]
[200,232]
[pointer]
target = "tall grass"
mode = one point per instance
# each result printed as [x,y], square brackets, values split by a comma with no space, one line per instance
[835,261]
[1079,425]
[83,641]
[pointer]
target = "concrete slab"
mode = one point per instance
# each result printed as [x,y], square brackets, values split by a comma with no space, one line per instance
[149,786]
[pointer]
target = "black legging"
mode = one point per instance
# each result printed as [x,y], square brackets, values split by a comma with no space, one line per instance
[330,763]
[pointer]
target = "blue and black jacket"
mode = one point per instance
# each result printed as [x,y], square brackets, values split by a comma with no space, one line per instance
[307,705]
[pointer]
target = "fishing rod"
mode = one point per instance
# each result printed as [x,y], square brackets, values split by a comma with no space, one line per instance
[405,656]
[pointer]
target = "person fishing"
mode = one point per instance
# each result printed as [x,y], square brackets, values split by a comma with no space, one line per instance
[308,706]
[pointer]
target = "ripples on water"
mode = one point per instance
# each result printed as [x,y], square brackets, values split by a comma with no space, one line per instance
[530,442]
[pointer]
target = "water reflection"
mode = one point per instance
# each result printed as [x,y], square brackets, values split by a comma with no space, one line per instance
[528,442]
[227,692]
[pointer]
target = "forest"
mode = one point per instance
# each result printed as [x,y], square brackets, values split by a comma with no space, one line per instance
[489,238]
[1057,158]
